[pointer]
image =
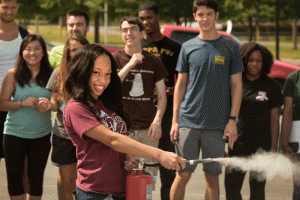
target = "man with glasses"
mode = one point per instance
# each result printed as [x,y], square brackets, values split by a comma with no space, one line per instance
[141,74]
[77,22]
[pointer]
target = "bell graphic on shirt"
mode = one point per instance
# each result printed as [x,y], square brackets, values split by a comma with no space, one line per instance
[137,86]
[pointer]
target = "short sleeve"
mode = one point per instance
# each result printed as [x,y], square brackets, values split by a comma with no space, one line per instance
[55,56]
[276,96]
[289,86]
[115,56]
[78,118]
[161,71]
[236,61]
[52,81]
[182,64]
[51,58]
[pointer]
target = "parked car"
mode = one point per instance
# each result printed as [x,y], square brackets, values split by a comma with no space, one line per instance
[279,71]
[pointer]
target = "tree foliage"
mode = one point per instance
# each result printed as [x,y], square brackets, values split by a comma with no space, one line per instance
[170,10]
[53,9]
[290,9]
[241,10]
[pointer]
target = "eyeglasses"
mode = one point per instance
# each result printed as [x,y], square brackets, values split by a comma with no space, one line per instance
[132,30]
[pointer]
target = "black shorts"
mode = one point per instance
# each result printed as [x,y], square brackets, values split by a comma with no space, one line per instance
[63,151]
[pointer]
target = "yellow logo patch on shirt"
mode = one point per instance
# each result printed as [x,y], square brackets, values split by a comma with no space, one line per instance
[220,60]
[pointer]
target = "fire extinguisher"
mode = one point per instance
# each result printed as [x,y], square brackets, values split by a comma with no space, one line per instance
[139,184]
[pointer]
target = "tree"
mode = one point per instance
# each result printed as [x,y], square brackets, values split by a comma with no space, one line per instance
[170,10]
[29,11]
[243,11]
[54,9]
[291,12]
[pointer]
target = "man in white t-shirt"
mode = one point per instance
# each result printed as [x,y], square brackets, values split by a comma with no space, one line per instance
[11,35]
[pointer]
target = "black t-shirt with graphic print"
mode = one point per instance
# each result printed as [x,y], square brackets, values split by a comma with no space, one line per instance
[259,97]
[168,51]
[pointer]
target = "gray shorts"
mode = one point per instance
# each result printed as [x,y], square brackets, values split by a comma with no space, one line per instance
[210,142]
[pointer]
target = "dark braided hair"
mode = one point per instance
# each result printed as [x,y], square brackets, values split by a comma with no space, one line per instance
[77,84]
[267,56]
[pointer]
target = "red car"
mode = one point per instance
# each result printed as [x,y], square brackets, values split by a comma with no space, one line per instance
[279,71]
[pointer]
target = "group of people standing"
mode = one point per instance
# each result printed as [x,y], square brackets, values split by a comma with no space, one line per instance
[93,149]
[111,108]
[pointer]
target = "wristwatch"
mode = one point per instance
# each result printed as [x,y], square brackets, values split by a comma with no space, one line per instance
[234,118]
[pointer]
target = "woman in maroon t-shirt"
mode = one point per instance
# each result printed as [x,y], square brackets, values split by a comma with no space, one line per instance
[97,125]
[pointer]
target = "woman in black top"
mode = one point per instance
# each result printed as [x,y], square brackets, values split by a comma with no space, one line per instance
[258,125]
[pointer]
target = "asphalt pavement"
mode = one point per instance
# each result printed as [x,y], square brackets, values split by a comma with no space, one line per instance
[276,189]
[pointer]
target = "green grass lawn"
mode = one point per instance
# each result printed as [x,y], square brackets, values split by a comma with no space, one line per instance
[285,51]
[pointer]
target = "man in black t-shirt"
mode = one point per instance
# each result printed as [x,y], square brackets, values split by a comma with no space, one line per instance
[168,50]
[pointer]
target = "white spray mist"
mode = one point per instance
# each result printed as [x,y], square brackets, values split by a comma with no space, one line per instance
[267,164]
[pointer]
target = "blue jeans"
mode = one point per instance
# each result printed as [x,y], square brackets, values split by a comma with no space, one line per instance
[82,195]
[296,193]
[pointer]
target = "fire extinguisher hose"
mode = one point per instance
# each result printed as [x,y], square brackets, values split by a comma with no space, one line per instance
[187,162]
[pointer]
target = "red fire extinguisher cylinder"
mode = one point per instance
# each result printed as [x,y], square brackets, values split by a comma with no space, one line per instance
[138,185]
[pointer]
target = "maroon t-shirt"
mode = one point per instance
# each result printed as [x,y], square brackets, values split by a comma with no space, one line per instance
[100,168]
[139,86]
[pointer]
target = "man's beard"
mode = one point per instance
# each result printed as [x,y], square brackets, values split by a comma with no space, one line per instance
[3,19]
[77,32]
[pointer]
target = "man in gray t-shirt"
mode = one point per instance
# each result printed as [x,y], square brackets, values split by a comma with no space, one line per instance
[207,99]
[206,104]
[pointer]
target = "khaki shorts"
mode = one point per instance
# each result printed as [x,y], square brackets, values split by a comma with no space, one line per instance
[142,137]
